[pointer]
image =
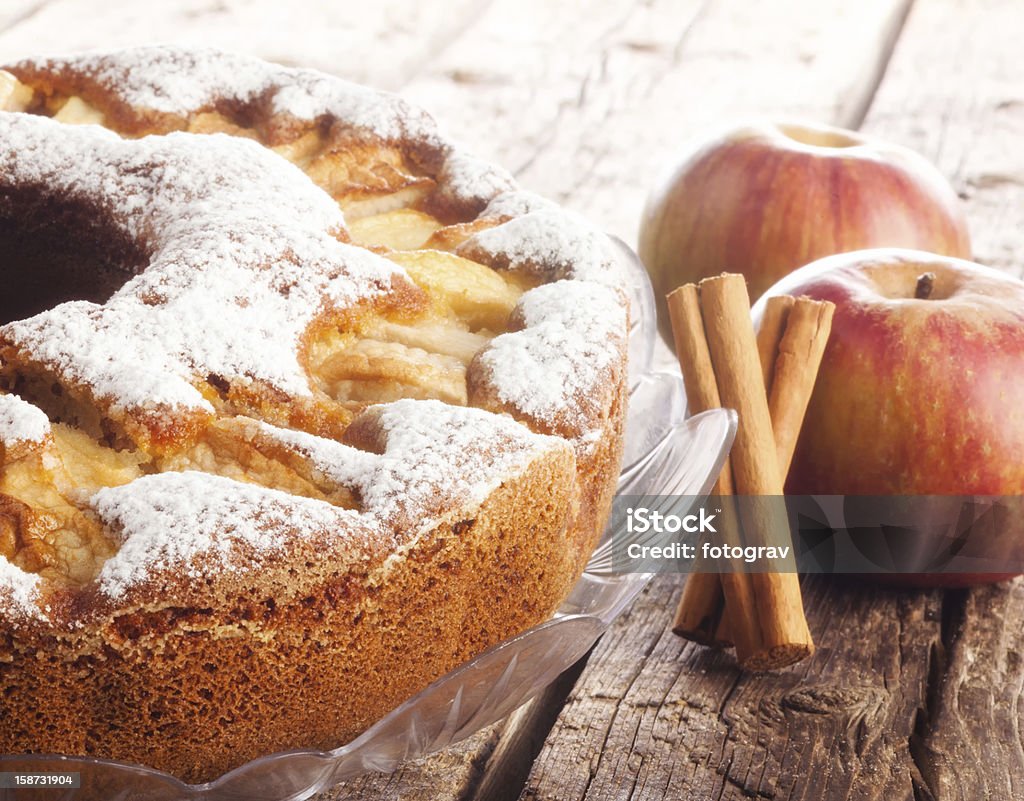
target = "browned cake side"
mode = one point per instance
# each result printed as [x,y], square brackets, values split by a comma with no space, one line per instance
[257,666]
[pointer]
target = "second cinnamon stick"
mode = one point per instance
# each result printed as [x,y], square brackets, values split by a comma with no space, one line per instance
[794,369]
[765,610]
[700,611]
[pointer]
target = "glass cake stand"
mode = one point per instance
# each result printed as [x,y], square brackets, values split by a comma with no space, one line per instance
[665,454]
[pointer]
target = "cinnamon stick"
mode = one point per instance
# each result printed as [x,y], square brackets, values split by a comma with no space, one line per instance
[794,370]
[766,616]
[688,332]
[769,335]
[700,615]
[702,606]
[773,325]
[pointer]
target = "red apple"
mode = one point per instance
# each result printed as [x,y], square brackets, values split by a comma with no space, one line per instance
[764,199]
[920,393]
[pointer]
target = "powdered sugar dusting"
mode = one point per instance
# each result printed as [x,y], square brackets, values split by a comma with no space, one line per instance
[516,203]
[334,461]
[19,592]
[229,288]
[21,422]
[589,309]
[469,183]
[181,81]
[178,521]
[552,370]
[437,460]
[309,94]
[547,242]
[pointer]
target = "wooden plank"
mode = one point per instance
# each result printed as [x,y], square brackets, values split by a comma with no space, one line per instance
[381,43]
[965,111]
[656,717]
[590,117]
[527,67]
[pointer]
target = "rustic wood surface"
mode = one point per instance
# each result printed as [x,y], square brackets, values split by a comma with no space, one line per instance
[654,716]
[912,696]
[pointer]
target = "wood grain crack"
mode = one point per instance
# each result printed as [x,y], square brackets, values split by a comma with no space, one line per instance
[857,111]
[925,772]
[505,768]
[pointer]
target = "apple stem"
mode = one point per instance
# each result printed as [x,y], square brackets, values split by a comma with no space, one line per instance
[925,284]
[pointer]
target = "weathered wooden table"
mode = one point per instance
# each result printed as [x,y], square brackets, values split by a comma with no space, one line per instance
[911,695]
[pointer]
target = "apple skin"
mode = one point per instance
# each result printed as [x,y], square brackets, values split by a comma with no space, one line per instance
[766,198]
[915,397]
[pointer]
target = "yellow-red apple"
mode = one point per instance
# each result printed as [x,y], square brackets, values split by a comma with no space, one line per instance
[764,199]
[920,392]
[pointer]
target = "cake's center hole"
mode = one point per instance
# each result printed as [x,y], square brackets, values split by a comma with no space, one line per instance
[69,257]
